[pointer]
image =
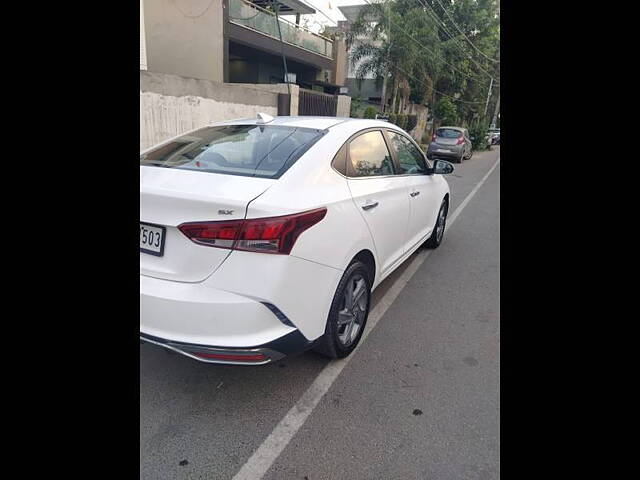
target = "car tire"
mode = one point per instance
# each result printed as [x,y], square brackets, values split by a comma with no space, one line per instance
[339,338]
[437,234]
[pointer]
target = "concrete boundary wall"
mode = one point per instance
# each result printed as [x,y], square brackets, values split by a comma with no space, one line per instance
[171,105]
[344,106]
[278,88]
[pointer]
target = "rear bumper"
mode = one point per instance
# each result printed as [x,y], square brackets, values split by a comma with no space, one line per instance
[255,304]
[455,151]
[198,314]
[289,344]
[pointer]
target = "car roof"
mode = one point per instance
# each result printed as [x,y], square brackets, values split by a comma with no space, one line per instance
[453,128]
[321,123]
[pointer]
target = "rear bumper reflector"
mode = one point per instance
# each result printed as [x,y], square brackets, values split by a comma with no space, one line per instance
[249,358]
[289,344]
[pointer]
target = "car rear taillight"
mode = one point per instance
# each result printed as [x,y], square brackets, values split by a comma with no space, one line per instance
[433,137]
[212,234]
[460,140]
[266,235]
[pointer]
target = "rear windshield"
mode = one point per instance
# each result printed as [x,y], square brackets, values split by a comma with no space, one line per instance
[448,133]
[265,151]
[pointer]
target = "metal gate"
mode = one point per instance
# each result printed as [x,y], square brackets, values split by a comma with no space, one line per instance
[317,103]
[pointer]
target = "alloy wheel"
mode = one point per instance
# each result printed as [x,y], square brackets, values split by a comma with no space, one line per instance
[353,310]
[442,220]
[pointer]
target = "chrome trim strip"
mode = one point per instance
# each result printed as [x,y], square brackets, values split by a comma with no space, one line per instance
[183,349]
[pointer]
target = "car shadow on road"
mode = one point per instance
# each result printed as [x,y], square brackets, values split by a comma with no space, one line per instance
[160,365]
[222,412]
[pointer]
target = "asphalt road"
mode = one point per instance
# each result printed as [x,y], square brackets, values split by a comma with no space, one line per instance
[418,399]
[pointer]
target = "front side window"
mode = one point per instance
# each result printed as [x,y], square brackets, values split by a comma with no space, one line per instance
[369,156]
[409,157]
[248,150]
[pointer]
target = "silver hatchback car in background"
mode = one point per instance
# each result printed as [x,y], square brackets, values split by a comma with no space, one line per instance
[450,143]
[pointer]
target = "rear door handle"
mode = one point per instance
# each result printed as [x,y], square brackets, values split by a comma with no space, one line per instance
[369,206]
[414,194]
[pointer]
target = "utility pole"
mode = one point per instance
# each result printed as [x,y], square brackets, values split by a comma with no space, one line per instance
[386,71]
[486,106]
[276,7]
[495,112]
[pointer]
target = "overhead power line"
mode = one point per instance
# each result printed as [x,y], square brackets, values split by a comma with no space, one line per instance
[434,90]
[428,49]
[431,12]
[463,34]
[441,24]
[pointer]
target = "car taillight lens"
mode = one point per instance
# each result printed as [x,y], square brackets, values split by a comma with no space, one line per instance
[433,137]
[460,140]
[266,235]
[212,234]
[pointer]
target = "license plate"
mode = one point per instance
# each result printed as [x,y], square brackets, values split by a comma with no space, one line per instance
[152,239]
[443,150]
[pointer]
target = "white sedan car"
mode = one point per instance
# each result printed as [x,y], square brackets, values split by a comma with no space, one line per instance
[265,237]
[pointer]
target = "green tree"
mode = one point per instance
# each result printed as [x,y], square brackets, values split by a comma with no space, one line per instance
[446,112]
[478,133]
[356,103]
[471,31]
[440,48]
[370,112]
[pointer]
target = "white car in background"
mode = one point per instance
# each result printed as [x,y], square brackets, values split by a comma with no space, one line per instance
[265,237]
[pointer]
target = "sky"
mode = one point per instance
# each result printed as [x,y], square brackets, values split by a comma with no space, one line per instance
[330,8]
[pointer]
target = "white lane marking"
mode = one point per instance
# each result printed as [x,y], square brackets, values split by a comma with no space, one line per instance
[262,459]
[468,198]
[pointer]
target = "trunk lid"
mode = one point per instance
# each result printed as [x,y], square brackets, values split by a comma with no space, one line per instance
[170,197]
[447,136]
[446,141]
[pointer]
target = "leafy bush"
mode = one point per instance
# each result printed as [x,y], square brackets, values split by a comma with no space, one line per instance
[478,134]
[446,111]
[393,118]
[356,103]
[402,121]
[370,112]
[412,121]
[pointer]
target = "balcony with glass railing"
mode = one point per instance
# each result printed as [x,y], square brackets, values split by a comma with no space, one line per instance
[251,16]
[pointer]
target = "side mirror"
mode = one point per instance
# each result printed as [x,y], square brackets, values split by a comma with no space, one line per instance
[442,167]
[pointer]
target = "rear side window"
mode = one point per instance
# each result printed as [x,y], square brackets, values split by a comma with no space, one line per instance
[265,151]
[369,156]
[448,133]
